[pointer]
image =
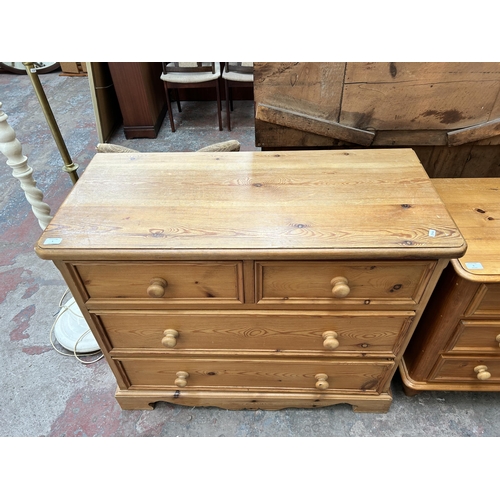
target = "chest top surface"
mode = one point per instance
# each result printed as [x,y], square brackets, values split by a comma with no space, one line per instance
[321,204]
[474,204]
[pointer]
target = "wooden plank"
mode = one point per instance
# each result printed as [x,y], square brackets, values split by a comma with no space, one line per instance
[273,137]
[420,95]
[421,72]
[410,106]
[467,160]
[278,136]
[405,138]
[443,161]
[307,123]
[495,110]
[311,88]
[474,133]
[482,161]
[492,141]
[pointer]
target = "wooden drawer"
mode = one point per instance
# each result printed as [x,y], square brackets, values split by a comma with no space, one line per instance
[364,283]
[486,302]
[221,373]
[196,282]
[476,335]
[273,331]
[462,369]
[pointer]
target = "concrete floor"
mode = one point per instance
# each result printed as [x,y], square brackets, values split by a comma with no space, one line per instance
[43,393]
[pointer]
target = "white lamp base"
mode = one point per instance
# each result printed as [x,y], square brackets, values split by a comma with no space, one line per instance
[72,331]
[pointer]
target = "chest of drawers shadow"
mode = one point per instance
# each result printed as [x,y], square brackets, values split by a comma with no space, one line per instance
[457,343]
[253,280]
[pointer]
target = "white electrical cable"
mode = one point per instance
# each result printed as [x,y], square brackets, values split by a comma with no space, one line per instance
[64,308]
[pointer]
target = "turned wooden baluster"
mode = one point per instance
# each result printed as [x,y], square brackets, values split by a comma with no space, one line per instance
[12,149]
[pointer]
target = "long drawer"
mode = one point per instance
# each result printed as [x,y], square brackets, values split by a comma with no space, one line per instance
[198,282]
[350,283]
[203,373]
[272,331]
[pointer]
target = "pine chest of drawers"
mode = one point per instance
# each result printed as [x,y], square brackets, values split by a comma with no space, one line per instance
[456,344]
[253,280]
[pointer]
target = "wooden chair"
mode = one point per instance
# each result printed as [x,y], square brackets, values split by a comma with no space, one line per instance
[177,75]
[236,74]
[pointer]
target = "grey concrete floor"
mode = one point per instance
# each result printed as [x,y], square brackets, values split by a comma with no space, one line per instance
[43,393]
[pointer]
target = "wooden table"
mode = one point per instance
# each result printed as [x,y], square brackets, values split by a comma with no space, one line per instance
[253,280]
[456,345]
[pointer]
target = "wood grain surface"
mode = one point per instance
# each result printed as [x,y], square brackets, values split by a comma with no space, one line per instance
[475,206]
[208,205]
[428,106]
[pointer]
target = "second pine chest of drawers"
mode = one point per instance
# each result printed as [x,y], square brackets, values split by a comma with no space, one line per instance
[457,343]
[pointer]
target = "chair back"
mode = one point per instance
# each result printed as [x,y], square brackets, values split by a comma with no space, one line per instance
[239,67]
[188,67]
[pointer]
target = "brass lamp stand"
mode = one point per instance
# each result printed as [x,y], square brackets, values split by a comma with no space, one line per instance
[69,166]
[70,328]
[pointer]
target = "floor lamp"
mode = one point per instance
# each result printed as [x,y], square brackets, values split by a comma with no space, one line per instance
[70,328]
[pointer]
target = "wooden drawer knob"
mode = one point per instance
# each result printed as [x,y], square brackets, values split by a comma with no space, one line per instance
[181,380]
[330,341]
[498,339]
[170,338]
[340,287]
[482,372]
[321,381]
[156,288]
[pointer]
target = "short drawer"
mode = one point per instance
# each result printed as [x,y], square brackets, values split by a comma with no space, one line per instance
[350,283]
[275,331]
[197,282]
[224,373]
[476,335]
[467,369]
[486,301]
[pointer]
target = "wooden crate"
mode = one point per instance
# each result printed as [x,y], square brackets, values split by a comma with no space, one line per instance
[74,68]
